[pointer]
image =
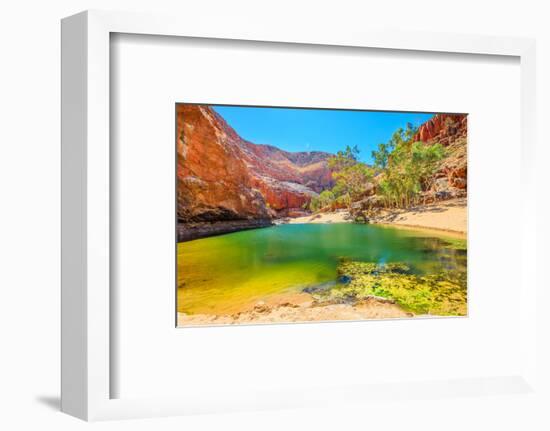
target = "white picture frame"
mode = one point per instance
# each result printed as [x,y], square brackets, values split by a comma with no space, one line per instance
[86,311]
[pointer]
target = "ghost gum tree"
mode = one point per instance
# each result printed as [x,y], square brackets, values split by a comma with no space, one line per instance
[402,169]
[405,167]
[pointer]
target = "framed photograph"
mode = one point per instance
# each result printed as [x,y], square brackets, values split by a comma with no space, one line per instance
[343,215]
[303,202]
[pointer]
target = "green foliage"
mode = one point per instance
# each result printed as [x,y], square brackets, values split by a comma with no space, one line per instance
[456,244]
[344,159]
[407,167]
[344,200]
[325,199]
[353,178]
[381,156]
[409,170]
[402,168]
[441,294]
[399,138]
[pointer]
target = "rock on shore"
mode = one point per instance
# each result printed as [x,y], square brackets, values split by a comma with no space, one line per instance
[191,231]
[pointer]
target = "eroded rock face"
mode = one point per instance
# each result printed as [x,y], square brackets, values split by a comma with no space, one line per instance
[222,177]
[450,130]
[287,180]
[213,181]
[443,128]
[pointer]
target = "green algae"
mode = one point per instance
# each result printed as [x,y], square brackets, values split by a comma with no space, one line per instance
[443,293]
[456,243]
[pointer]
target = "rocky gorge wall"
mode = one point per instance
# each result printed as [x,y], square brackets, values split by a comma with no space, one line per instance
[225,183]
[449,130]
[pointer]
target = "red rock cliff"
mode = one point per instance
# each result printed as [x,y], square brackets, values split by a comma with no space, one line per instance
[450,130]
[222,177]
[213,181]
[443,128]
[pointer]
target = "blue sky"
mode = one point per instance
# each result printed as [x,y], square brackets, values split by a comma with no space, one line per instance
[317,129]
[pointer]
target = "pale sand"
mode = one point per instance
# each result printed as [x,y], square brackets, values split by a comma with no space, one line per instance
[335,217]
[290,313]
[449,216]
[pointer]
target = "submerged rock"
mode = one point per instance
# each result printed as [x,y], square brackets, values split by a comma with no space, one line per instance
[323,287]
[344,279]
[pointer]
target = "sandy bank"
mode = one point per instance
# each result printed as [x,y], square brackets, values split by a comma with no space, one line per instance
[447,216]
[335,217]
[292,313]
[450,216]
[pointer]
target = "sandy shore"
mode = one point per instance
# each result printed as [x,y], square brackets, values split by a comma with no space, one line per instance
[448,216]
[335,217]
[292,313]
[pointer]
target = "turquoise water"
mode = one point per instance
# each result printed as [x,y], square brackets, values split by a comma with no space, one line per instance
[230,273]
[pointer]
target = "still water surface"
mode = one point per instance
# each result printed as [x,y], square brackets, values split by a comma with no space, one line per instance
[230,273]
